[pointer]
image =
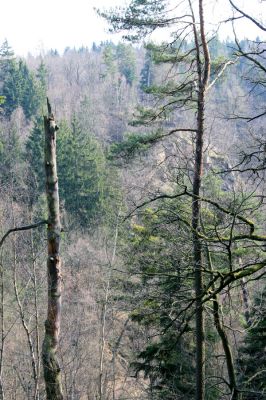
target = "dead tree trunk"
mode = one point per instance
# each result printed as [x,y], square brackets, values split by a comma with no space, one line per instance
[52,374]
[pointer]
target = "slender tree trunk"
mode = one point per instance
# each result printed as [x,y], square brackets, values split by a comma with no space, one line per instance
[36,317]
[245,295]
[225,342]
[52,374]
[3,336]
[197,253]
[104,312]
[203,73]
[25,325]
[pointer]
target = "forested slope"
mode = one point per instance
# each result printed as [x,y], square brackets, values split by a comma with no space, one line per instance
[125,202]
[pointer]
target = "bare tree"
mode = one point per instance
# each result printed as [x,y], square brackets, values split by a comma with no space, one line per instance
[52,373]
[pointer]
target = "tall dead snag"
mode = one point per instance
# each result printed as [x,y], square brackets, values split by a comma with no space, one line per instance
[52,374]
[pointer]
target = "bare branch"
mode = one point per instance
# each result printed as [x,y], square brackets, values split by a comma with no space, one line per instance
[22,228]
[221,72]
[259,25]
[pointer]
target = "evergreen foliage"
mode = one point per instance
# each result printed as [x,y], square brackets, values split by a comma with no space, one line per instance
[121,59]
[34,156]
[161,292]
[12,168]
[157,295]
[252,355]
[133,144]
[21,88]
[147,73]
[83,173]
[143,15]
[126,62]
[84,186]
[6,59]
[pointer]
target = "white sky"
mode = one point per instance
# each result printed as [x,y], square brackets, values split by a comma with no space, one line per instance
[36,25]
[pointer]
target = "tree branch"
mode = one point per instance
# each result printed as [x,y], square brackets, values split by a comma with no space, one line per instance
[220,73]
[205,200]
[248,16]
[22,228]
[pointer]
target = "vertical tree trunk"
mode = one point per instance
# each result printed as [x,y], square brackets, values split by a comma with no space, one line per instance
[3,334]
[104,312]
[197,253]
[52,374]
[245,295]
[222,333]
[203,73]
[36,316]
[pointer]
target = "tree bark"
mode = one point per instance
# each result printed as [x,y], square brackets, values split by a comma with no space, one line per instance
[223,336]
[52,374]
[203,73]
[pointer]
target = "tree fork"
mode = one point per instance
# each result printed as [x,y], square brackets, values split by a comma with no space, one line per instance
[52,373]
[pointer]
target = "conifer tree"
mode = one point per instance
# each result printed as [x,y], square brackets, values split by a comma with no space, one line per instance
[147,73]
[126,62]
[21,88]
[84,188]
[34,157]
[6,59]
[252,355]
[161,288]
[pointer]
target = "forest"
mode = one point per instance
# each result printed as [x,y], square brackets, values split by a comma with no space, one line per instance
[132,209]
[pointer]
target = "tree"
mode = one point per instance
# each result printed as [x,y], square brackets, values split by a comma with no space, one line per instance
[12,166]
[186,91]
[21,88]
[147,74]
[144,17]
[6,59]
[252,57]
[34,157]
[85,190]
[85,187]
[126,62]
[157,255]
[52,375]
[252,358]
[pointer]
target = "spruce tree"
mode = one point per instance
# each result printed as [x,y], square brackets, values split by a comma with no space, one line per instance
[21,88]
[84,189]
[34,157]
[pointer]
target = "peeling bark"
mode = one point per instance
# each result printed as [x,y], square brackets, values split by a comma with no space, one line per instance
[52,374]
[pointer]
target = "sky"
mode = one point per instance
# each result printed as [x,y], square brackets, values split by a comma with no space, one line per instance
[36,25]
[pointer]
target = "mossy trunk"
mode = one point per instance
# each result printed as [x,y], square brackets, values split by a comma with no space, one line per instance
[52,374]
